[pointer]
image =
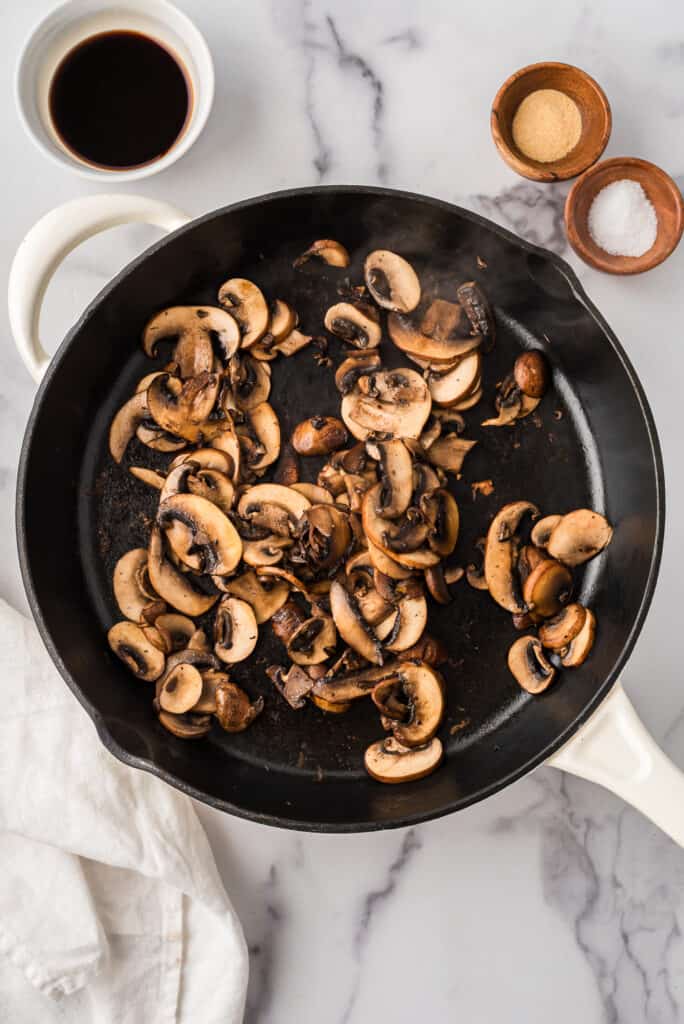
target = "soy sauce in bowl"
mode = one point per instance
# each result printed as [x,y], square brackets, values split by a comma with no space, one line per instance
[120,100]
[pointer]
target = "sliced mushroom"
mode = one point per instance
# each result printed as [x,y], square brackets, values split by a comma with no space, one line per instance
[509,407]
[142,657]
[449,452]
[206,458]
[250,381]
[529,666]
[313,493]
[268,551]
[172,585]
[181,689]
[427,649]
[283,320]
[148,476]
[319,435]
[547,588]
[325,534]
[501,555]
[287,470]
[450,388]
[247,305]
[351,625]
[293,343]
[325,705]
[214,486]
[557,633]
[228,444]
[265,595]
[313,641]
[182,408]
[412,620]
[579,536]
[262,425]
[437,584]
[125,423]
[389,761]
[353,368]
[234,710]
[531,373]
[189,726]
[327,250]
[235,630]
[403,539]
[580,646]
[395,403]
[469,402]
[477,308]
[193,327]
[294,685]
[132,588]
[444,533]
[177,630]
[386,564]
[286,498]
[214,545]
[432,351]
[423,689]
[475,572]
[211,680]
[392,281]
[176,481]
[358,324]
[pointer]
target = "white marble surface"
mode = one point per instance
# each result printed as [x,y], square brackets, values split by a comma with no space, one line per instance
[552,900]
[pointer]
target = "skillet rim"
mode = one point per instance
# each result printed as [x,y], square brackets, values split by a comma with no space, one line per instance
[403,821]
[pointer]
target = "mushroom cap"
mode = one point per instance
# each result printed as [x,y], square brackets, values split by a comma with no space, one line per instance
[234,710]
[235,630]
[547,588]
[529,666]
[358,325]
[392,281]
[248,306]
[579,536]
[319,435]
[142,657]
[389,761]
[501,553]
[531,373]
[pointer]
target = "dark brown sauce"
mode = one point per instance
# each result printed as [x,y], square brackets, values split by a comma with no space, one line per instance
[119,100]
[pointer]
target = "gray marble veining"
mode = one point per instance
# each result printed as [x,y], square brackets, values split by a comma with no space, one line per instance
[552,900]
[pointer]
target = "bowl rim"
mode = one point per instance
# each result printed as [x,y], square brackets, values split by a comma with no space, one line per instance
[606,261]
[532,169]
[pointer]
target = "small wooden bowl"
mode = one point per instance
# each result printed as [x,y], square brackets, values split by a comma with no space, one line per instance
[660,189]
[580,87]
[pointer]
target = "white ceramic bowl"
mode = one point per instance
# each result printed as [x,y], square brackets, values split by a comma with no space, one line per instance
[77,20]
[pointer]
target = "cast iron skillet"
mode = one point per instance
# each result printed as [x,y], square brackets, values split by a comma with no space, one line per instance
[593,444]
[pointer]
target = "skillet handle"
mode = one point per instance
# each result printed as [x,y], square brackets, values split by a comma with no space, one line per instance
[51,240]
[615,750]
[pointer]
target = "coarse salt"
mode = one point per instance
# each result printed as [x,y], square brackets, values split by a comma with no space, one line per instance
[622,220]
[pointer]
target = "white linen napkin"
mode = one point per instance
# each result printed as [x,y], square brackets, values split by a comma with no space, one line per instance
[111,906]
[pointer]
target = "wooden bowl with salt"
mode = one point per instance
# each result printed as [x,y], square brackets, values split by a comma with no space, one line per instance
[663,194]
[578,86]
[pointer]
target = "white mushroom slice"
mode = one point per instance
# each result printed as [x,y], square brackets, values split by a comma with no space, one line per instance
[176,480]
[181,689]
[412,613]
[423,688]
[206,458]
[250,381]
[172,585]
[501,555]
[351,625]
[248,306]
[214,486]
[529,666]
[265,596]
[266,428]
[392,281]
[579,536]
[391,762]
[315,494]
[397,403]
[451,388]
[193,326]
[396,468]
[579,648]
[294,503]
[182,408]
[125,423]
[327,250]
[283,320]
[142,657]
[215,547]
[434,350]
[542,530]
[294,342]
[358,325]
[132,588]
[384,628]
[449,452]
[148,476]
[228,443]
[177,630]
[268,551]
[313,642]
[235,630]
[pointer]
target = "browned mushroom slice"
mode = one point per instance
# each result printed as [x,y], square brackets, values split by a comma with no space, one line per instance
[176,481]
[293,343]
[531,373]
[327,250]
[211,680]
[206,458]
[351,625]
[341,688]
[268,551]
[181,689]
[469,402]
[450,388]
[432,351]
[528,664]
[283,320]
[509,407]
[266,595]
[325,705]
[579,536]
[389,698]
[437,585]
[444,534]
[313,641]
[132,588]
[423,689]
[287,621]
[313,493]
[125,423]
[142,657]
[214,545]
[294,685]
[264,427]
[182,408]
[286,498]
[248,306]
[446,321]
[557,633]
[396,469]
[234,710]
[580,646]
[386,564]
[427,649]
[144,382]
[319,435]
[186,727]
[250,380]
[193,327]
[353,368]
[391,403]
[198,641]
[325,535]
[542,530]
[172,585]
[374,608]
[148,476]
[235,630]
[547,588]
[228,443]
[401,539]
[392,281]
[214,486]
[358,324]
[391,762]
[412,620]
[177,630]
[475,571]
[478,309]
[501,555]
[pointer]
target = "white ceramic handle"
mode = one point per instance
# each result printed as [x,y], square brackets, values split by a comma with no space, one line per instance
[615,750]
[51,240]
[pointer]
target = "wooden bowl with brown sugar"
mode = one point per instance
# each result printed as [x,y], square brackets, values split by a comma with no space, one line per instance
[589,99]
[660,189]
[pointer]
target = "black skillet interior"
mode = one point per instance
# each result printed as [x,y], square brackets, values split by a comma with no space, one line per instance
[592,444]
